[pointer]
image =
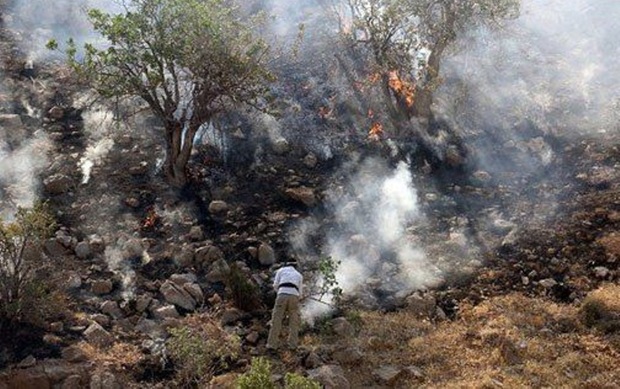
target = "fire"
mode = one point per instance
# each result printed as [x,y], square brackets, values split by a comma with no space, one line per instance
[375,132]
[403,88]
[151,219]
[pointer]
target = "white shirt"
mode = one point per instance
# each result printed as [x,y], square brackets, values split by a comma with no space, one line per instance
[288,274]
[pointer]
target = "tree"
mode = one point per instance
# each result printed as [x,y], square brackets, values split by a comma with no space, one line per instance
[407,39]
[187,59]
[20,253]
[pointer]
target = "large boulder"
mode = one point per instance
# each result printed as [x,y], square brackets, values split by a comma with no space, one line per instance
[177,295]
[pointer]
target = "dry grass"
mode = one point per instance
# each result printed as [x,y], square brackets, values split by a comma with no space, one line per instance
[118,357]
[510,341]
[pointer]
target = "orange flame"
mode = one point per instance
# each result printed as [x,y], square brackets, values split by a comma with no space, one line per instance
[151,219]
[375,132]
[403,88]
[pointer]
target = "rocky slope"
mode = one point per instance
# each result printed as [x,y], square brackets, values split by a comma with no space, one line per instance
[134,259]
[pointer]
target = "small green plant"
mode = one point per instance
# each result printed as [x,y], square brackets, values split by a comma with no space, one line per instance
[327,284]
[259,376]
[296,381]
[21,241]
[201,348]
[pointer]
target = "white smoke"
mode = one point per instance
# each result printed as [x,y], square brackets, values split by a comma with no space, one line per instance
[554,66]
[99,125]
[373,212]
[35,22]
[19,170]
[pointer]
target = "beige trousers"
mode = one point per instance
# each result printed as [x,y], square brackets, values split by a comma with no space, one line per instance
[286,305]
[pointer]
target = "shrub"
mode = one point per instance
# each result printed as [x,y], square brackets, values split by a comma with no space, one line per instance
[601,309]
[296,381]
[244,293]
[259,377]
[20,254]
[200,348]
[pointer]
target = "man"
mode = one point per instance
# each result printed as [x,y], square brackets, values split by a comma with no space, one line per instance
[288,284]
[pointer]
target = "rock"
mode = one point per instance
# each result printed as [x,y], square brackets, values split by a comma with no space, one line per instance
[82,250]
[266,255]
[230,316]
[330,376]
[132,202]
[218,207]
[111,308]
[29,361]
[167,311]
[421,305]
[73,281]
[196,234]
[29,379]
[101,287]
[143,302]
[96,243]
[196,292]
[482,176]
[601,272]
[185,257]
[342,327]
[312,361]
[57,327]
[105,380]
[56,113]
[72,382]
[57,184]
[548,283]
[73,354]
[176,295]
[280,146]
[348,355]
[182,279]
[53,248]
[150,328]
[302,194]
[207,255]
[102,320]
[11,123]
[310,160]
[97,335]
[218,271]
[387,375]
[252,337]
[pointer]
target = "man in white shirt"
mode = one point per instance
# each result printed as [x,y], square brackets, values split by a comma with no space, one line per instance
[288,283]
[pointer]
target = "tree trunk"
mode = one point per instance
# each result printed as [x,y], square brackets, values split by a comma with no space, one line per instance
[179,144]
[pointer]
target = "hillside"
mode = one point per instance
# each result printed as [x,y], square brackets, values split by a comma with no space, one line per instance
[456,272]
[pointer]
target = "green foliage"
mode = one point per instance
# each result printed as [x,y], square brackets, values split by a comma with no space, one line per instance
[201,348]
[20,253]
[244,293]
[259,377]
[328,267]
[296,381]
[187,59]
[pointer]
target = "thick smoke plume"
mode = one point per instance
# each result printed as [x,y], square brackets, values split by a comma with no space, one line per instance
[38,21]
[19,172]
[373,213]
[555,66]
